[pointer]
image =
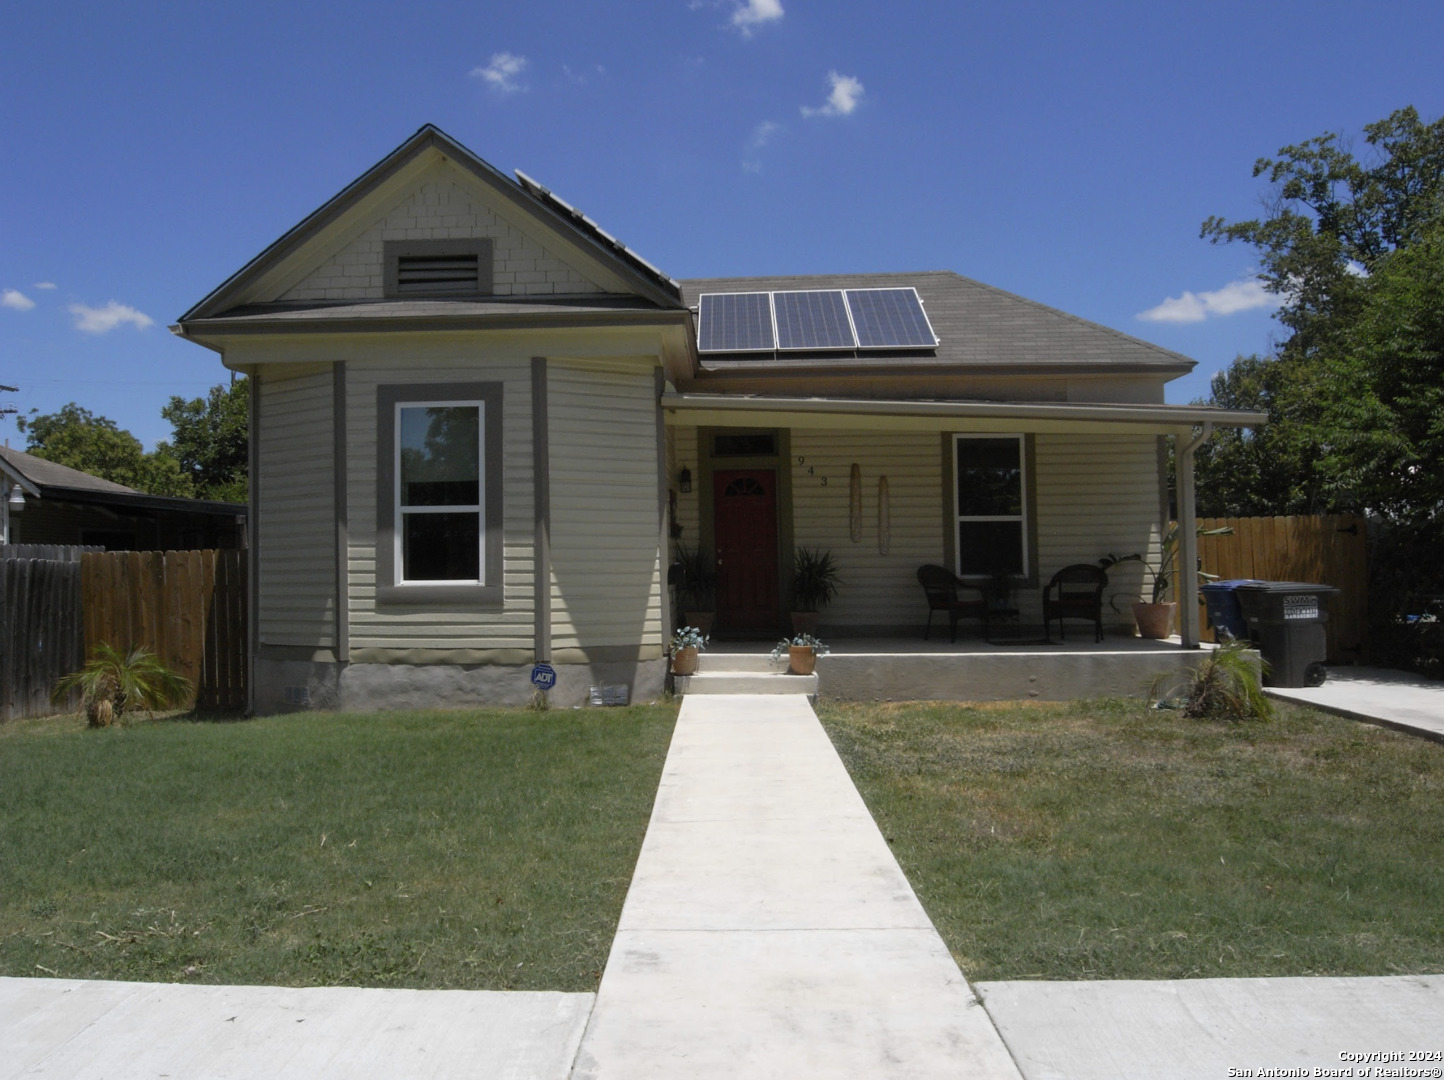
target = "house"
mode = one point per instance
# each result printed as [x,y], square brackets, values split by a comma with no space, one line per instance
[47,503]
[480,426]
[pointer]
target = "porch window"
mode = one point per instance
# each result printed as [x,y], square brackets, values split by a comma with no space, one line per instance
[991,505]
[438,494]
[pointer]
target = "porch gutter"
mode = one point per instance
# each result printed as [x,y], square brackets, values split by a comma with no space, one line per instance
[1041,415]
[1188,628]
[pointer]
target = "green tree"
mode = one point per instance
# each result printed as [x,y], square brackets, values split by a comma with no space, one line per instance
[77,438]
[210,440]
[1353,249]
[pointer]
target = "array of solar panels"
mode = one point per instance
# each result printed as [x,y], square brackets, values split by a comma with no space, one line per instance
[813,321]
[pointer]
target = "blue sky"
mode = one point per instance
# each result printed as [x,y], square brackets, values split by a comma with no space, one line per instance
[1065,152]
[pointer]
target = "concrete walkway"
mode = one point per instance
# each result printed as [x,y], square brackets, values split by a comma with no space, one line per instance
[1203,1028]
[74,1030]
[769,931]
[1396,699]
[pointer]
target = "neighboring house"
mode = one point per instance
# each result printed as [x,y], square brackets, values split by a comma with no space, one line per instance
[46,503]
[478,422]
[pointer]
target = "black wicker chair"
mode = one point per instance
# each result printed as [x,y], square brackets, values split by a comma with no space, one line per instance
[1076,592]
[941,586]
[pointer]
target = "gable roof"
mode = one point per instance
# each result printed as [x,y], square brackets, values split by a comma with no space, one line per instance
[36,474]
[980,329]
[430,142]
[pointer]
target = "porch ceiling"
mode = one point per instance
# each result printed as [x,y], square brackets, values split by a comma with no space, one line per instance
[733,409]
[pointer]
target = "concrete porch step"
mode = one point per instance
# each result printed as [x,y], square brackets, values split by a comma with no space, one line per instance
[745,682]
[716,660]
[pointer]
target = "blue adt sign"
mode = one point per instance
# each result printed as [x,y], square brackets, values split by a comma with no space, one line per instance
[543,676]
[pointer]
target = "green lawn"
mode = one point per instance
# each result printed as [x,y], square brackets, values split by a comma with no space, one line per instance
[478,850]
[1105,840]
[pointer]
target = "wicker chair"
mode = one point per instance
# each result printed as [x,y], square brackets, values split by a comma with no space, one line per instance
[941,586]
[1076,592]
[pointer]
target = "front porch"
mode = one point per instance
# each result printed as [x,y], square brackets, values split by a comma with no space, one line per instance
[912,669]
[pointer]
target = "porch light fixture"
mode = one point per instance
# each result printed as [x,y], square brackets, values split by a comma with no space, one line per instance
[684,480]
[17,499]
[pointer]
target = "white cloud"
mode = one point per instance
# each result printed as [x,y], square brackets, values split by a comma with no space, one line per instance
[761,136]
[45,284]
[846,94]
[16,300]
[1193,307]
[501,73]
[755,13]
[91,320]
[585,75]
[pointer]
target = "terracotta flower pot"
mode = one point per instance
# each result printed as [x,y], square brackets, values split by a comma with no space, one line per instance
[802,659]
[1154,620]
[684,662]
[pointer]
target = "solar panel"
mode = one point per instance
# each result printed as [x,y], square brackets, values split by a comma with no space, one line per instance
[890,319]
[812,320]
[735,322]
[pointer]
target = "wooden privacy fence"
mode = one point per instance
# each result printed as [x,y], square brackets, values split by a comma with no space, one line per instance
[1325,550]
[187,607]
[40,630]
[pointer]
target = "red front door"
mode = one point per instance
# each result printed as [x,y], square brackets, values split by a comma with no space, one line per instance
[744,518]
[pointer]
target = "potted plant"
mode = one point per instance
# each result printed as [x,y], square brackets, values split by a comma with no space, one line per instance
[698,587]
[801,651]
[814,584]
[685,646]
[1155,617]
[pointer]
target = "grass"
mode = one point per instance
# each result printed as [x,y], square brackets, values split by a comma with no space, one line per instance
[475,850]
[1104,840]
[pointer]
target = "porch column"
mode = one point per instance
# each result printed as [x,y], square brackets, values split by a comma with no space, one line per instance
[1188,628]
[542,513]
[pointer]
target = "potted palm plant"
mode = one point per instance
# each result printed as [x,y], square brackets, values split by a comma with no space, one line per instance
[697,591]
[814,584]
[1155,616]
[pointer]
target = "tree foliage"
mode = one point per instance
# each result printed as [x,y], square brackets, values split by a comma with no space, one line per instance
[210,441]
[1356,251]
[206,457]
[77,438]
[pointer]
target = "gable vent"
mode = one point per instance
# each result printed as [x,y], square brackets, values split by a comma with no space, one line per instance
[417,268]
[437,275]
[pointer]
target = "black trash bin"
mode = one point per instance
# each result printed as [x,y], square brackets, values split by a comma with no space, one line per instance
[1224,610]
[1287,621]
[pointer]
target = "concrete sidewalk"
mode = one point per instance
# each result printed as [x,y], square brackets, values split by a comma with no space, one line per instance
[769,931]
[1200,1029]
[75,1030]
[1396,699]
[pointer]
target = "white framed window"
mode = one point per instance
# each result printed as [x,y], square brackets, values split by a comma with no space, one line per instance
[440,493]
[990,505]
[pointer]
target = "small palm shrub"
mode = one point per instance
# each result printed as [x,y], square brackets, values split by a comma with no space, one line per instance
[110,683]
[1225,686]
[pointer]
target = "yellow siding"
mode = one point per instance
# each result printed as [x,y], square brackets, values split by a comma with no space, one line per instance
[1099,495]
[440,627]
[606,578]
[682,454]
[877,590]
[296,511]
[1095,495]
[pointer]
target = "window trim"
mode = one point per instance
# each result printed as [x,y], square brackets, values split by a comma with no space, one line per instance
[1028,519]
[389,588]
[393,251]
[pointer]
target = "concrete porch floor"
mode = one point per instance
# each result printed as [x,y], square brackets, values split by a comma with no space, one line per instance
[971,669]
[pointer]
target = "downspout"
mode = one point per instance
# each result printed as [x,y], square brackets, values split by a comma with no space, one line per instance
[1188,628]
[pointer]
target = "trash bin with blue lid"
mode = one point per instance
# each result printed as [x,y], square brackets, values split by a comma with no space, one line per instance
[1224,611]
[1287,620]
